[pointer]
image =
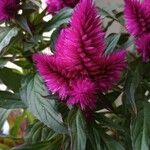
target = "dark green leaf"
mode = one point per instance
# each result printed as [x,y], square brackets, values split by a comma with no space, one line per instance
[128,43]
[6,34]
[3,116]
[38,132]
[22,21]
[111,144]
[36,2]
[57,20]
[140,127]
[10,101]
[11,78]
[80,132]
[112,42]
[40,146]
[132,83]
[37,146]
[34,95]
[101,141]
[54,39]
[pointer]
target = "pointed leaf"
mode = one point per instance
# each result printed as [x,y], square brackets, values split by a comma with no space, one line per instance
[80,132]
[3,116]
[57,20]
[10,101]
[132,83]
[140,127]
[6,34]
[34,95]
[112,42]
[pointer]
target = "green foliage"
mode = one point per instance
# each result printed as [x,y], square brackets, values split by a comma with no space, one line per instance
[140,127]
[10,101]
[3,116]
[43,108]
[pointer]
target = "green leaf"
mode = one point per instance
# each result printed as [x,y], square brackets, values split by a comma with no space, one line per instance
[6,34]
[38,132]
[3,62]
[128,43]
[3,116]
[108,122]
[57,20]
[104,13]
[131,84]
[36,2]
[11,78]
[46,145]
[53,40]
[38,17]
[112,42]
[95,139]
[10,101]
[111,144]
[35,96]
[36,146]
[140,127]
[79,132]
[22,21]
[101,141]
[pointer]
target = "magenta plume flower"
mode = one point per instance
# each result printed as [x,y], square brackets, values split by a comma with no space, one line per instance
[143,46]
[8,9]
[83,93]
[56,5]
[56,77]
[70,3]
[137,17]
[79,69]
[83,41]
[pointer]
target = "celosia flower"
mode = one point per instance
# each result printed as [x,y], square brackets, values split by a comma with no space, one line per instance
[84,93]
[79,69]
[143,45]
[70,3]
[56,5]
[8,9]
[54,74]
[137,19]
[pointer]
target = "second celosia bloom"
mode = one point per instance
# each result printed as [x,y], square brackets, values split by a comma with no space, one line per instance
[8,9]
[79,69]
[137,20]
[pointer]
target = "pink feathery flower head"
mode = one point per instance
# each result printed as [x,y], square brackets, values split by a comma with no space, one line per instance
[143,46]
[84,39]
[8,9]
[137,17]
[56,5]
[54,74]
[79,69]
[83,93]
[146,2]
[70,3]
[137,20]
